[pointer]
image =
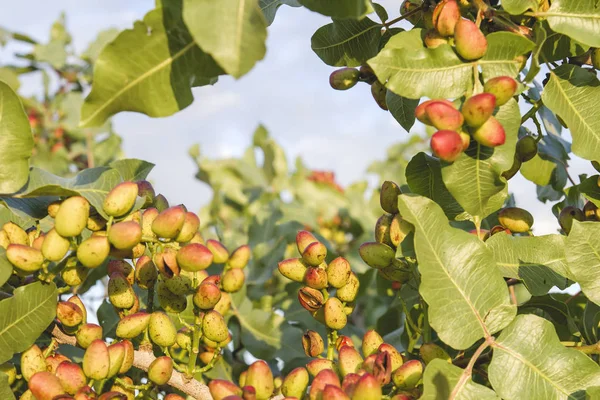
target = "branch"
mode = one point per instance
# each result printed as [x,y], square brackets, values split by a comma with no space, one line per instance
[142,360]
[466,375]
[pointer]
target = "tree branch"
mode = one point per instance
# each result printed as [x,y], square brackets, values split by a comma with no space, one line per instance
[142,360]
[466,375]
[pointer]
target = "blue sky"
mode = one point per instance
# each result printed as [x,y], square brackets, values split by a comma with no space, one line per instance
[288,92]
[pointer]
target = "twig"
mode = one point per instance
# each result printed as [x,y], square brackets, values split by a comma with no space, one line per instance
[466,375]
[142,360]
[408,14]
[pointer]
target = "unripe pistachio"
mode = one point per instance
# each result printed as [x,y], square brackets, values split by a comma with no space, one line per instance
[74,275]
[396,357]
[233,280]
[85,393]
[408,375]
[125,235]
[173,396]
[190,226]
[311,299]
[194,257]
[319,364]
[342,341]
[433,39]
[332,392]
[445,17]
[146,190]
[148,217]
[498,229]
[128,356]
[87,333]
[145,272]
[421,115]
[466,140]
[207,356]
[491,133]
[184,338]
[316,278]
[312,343]
[335,318]
[45,386]
[121,199]
[376,255]
[53,361]
[179,285]
[116,355]
[121,267]
[388,197]
[349,383]
[397,271]
[166,262]
[248,393]
[220,253]
[399,230]
[4,241]
[32,361]
[526,148]
[344,78]
[197,239]
[478,108]
[240,257]
[93,251]
[348,292]
[382,229]
[96,361]
[446,145]
[367,388]
[303,239]
[54,246]
[590,210]
[314,254]
[53,208]
[120,388]
[169,301]
[382,368]
[168,223]
[161,329]
[160,370]
[379,93]
[71,377]
[220,389]
[120,292]
[10,371]
[207,296]
[431,351]
[95,223]
[293,268]
[567,215]
[595,58]
[71,218]
[515,219]
[470,42]
[260,377]
[214,327]
[444,116]
[69,314]
[408,6]
[15,234]
[295,383]
[25,258]
[371,342]
[223,306]
[133,325]
[503,87]
[338,272]
[349,361]
[323,378]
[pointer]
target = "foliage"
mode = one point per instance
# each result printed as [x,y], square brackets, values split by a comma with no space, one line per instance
[432,286]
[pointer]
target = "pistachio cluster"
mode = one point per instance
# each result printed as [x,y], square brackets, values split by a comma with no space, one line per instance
[145,245]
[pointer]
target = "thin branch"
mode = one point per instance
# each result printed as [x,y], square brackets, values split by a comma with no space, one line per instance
[142,360]
[466,375]
[417,10]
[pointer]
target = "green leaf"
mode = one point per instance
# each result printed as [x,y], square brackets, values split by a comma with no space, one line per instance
[571,93]
[6,267]
[232,31]
[539,261]
[275,163]
[529,362]
[5,391]
[269,7]
[413,71]
[10,77]
[402,109]
[93,184]
[24,316]
[16,141]
[474,179]
[53,53]
[265,333]
[424,177]
[127,78]
[132,169]
[102,39]
[583,257]
[589,187]
[347,42]
[338,8]
[516,7]
[579,19]
[454,266]
[538,170]
[440,379]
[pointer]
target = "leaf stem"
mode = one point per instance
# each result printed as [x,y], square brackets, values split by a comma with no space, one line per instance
[536,106]
[195,350]
[466,375]
[588,349]
[417,10]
